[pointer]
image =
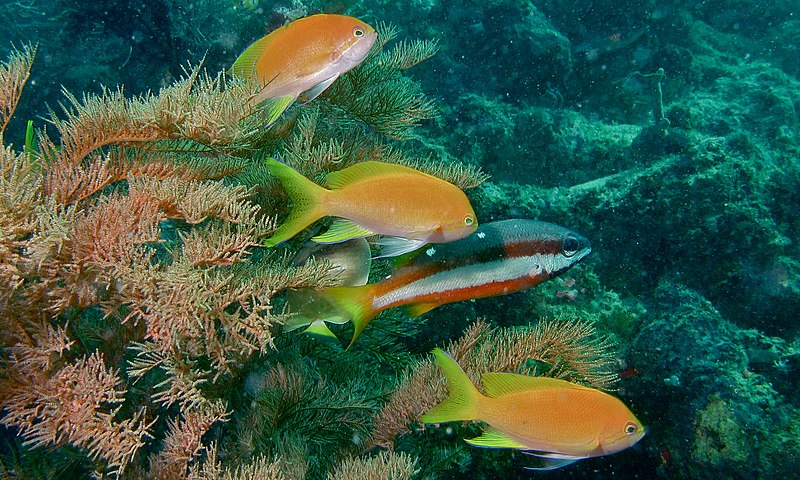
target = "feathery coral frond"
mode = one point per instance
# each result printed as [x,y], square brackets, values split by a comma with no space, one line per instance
[14,74]
[77,404]
[183,443]
[377,94]
[384,466]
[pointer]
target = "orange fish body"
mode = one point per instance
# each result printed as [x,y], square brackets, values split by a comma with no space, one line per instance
[376,198]
[304,57]
[409,204]
[554,419]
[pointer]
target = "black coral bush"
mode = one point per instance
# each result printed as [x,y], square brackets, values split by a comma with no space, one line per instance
[139,316]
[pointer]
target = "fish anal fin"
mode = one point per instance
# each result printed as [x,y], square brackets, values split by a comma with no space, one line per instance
[552,464]
[498,384]
[319,329]
[417,309]
[364,170]
[342,229]
[493,438]
[274,107]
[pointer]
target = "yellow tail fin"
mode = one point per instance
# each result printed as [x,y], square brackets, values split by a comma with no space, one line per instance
[356,303]
[461,403]
[306,201]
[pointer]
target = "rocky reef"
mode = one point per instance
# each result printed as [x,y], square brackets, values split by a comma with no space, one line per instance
[666,132]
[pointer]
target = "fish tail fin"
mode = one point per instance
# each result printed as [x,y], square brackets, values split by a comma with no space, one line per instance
[356,302]
[462,400]
[306,201]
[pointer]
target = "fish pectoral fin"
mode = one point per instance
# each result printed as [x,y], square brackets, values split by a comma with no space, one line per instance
[342,229]
[274,107]
[314,91]
[417,309]
[396,246]
[493,438]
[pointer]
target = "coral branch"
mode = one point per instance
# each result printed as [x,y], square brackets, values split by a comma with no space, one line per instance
[14,75]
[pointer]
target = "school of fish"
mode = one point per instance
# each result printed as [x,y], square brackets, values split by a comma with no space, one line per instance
[555,420]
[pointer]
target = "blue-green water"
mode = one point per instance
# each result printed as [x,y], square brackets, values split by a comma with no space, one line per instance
[667,133]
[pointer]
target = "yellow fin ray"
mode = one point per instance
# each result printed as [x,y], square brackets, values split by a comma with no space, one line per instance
[417,309]
[493,438]
[461,403]
[245,65]
[341,230]
[305,195]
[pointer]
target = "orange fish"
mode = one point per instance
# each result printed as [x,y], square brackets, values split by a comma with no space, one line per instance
[554,419]
[303,57]
[376,198]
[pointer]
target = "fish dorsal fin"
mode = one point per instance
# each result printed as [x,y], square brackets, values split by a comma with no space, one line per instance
[364,170]
[498,384]
[342,229]
[245,65]
[493,438]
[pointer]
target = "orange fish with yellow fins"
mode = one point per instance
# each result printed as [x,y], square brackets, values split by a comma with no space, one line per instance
[376,198]
[554,419]
[304,57]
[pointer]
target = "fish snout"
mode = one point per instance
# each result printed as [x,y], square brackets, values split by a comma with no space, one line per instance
[358,51]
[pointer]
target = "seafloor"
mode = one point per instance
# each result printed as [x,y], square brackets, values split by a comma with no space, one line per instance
[666,132]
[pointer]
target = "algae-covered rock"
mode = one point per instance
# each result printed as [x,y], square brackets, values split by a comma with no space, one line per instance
[706,405]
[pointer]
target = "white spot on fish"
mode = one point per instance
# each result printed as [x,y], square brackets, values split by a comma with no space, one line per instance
[429,252]
[481,235]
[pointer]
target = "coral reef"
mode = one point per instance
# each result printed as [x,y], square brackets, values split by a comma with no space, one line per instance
[665,132]
[134,293]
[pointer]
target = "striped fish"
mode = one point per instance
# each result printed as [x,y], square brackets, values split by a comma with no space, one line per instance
[499,258]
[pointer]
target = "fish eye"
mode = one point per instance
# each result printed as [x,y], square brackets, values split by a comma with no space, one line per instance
[630,428]
[469,220]
[358,32]
[570,246]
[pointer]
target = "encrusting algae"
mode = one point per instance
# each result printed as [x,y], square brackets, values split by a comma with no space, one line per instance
[139,308]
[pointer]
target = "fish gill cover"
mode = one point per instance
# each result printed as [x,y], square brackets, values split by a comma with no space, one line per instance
[140,316]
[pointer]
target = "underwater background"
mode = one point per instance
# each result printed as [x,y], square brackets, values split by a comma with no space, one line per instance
[665,132]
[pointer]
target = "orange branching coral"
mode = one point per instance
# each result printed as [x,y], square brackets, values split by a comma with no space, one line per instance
[14,75]
[571,349]
[183,445]
[77,403]
[384,466]
[83,234]
[199,111]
